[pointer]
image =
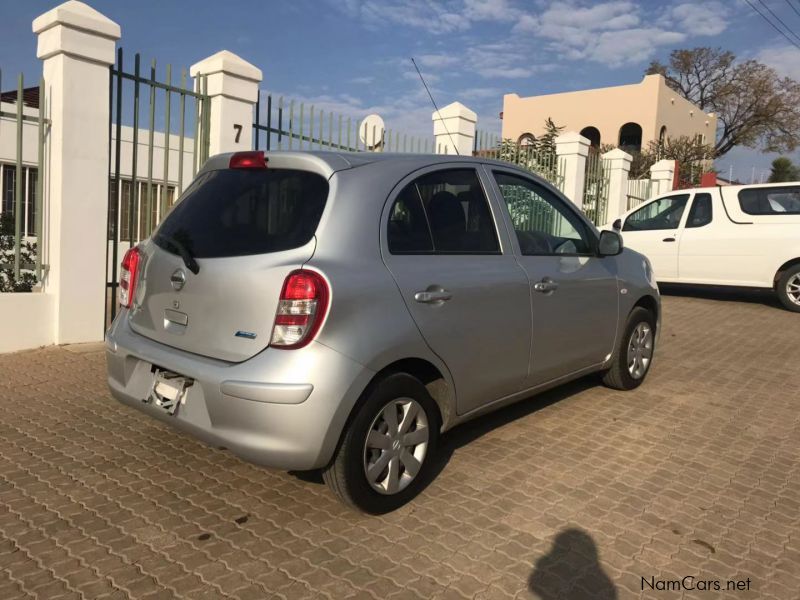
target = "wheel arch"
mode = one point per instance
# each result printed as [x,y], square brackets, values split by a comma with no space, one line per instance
[782,269]
[431,376]
[648,302]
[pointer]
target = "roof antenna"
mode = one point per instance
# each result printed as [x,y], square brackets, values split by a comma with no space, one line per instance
[434,106]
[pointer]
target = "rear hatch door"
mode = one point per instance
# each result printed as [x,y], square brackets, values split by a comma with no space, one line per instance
[245,230]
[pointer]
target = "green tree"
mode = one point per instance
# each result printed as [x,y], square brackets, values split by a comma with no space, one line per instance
[784,170]
[693,156]
[754,106]
[27,279]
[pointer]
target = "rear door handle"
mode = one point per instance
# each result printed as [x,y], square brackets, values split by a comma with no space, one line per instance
[545,285]
[669,239]
[433,297]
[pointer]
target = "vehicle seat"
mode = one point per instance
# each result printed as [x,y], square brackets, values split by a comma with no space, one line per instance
[448,222]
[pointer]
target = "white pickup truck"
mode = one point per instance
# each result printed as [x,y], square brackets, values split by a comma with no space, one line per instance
[744,235]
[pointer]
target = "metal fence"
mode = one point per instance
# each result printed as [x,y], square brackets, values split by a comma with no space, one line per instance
[595,188]
[286,124]
[21,208]
[149,166]
[542,161]
[639,190]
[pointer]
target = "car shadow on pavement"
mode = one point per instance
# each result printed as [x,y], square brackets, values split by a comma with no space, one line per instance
[725,294]
[470,431]
[571,569]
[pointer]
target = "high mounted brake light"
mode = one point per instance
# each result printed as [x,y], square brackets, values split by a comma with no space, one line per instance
[248,160]
[129,276]
[301,310]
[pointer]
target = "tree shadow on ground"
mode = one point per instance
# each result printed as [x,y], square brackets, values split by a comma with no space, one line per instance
[571,569]
[720,293]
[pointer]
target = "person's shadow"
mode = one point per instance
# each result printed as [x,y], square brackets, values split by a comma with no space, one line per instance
[571,570]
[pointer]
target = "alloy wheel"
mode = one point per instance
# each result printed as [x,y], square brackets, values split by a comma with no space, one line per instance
[396,446]
[793,288]
[640,350]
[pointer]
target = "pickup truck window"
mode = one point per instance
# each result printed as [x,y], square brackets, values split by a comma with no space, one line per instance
[770,200]
[701,213]
[664,213]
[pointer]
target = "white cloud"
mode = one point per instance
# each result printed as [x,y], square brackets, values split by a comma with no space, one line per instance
[699,18]
[618,32]
[436,60]
[433,17]
[784,59]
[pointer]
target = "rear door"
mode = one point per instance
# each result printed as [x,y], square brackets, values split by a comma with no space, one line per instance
[654,229]
[247,229]
[460,281]
[574,293]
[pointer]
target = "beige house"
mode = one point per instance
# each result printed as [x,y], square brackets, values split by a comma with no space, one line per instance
[629,116]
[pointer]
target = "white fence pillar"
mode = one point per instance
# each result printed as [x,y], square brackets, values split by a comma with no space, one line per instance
[76,44]
[233,87]
[619,166]
[663,176]
[454,129]
[573,149]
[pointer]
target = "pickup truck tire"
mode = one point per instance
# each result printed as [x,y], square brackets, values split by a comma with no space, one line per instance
[788,288]
[634,353]
[387,450]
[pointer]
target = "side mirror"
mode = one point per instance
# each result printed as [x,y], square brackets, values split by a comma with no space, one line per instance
[610,243]
[617,224]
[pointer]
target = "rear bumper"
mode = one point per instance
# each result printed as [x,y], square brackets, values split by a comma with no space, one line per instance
[283,409]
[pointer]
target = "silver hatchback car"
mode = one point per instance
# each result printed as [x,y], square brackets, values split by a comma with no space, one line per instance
[335,311]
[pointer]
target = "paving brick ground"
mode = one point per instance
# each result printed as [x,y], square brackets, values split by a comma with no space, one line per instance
[579,493]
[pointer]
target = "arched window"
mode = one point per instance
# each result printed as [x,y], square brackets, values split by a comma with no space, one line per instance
[526,139]
[662,135]
[592,134]
[630,137]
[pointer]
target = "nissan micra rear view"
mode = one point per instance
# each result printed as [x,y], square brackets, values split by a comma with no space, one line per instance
[339,312]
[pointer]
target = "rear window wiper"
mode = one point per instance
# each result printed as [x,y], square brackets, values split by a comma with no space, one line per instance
[183,252]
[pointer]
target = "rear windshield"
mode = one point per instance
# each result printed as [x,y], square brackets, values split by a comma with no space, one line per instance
[236,212]
[770,201]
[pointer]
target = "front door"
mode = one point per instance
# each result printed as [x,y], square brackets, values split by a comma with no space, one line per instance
[573,291]
[466,293]
[655,231]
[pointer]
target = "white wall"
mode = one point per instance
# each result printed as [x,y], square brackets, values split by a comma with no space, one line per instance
[26,320]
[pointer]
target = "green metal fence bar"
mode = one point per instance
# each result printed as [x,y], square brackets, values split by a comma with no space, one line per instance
[115,201]
[197,140]
[18,206]
[150,139]
[163,196]
[207,121]
[39,185]
[132,200]
[182,127]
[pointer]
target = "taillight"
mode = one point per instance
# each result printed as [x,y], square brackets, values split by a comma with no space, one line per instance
[301,309]
[248,160]
[128,277]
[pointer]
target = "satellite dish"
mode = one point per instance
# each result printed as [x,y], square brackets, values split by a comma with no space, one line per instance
[371,132]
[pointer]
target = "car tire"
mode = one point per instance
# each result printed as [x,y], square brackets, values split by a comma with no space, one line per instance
[633,356]
[788,288]
[378,466]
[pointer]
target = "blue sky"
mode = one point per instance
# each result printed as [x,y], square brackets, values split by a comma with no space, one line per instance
[352,56]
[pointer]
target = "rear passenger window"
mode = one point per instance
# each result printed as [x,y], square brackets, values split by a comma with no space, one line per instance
[444,212]
[770,201]
[408,231]
[700,214]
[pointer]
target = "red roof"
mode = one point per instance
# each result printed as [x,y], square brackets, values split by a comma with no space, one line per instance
[30,97]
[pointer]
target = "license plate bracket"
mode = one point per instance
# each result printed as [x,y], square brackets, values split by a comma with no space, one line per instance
[168,390]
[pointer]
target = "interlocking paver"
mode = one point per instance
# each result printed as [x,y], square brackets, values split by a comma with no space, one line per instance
[579,491]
